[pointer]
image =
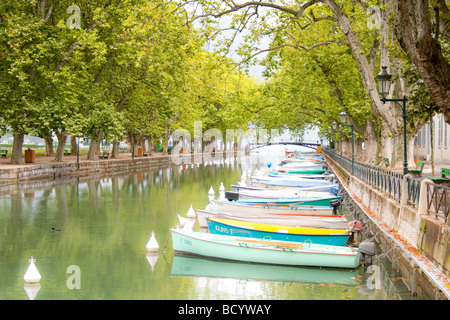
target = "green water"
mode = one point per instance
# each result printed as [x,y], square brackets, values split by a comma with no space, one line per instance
[105,224]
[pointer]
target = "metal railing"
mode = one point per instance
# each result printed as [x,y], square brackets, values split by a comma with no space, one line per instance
[384,180]
[438,200]
[438,196]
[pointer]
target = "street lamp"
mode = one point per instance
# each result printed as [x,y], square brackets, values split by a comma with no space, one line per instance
[384,84]
[344,117]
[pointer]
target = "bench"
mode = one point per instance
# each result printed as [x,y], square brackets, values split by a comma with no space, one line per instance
[67,152]
[444,172]
[418,170]
[104,155]
[3,153]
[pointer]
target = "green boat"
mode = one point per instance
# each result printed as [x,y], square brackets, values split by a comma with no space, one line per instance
[264,251]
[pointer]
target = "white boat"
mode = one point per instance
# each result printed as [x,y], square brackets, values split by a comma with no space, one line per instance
[306,220]
[235,206]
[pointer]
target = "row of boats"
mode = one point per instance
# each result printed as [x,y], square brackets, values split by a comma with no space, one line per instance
[286,216]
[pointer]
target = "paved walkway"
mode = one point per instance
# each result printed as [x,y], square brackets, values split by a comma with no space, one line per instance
[5,162]
[427,170]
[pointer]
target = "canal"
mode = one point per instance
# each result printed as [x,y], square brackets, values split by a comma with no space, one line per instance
[105,223]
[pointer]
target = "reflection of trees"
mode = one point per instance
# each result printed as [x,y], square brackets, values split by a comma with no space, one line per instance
[105,224]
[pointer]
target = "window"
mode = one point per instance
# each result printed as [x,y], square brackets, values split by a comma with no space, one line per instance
[445,135]
[439,133]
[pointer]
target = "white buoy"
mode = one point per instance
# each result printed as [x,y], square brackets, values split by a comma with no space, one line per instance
[191,212]
[152,244]
[182,220]
[221,191]
[188,226]
[32,275]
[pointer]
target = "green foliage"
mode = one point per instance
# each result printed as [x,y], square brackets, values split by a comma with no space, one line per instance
[134,66]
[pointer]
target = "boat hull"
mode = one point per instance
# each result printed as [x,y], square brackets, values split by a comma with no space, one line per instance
[230,206]
[268,252]
[321,202]
[216,226]
[310,220]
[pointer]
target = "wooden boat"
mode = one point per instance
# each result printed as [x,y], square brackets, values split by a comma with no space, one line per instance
[202,215]
[237,228]
[295,182]
[276,194]
[263,251]
[236,206]
[302,219]
[321,202]
[288,192]
[297,170]
[286,220]
[283,186]
[284,175]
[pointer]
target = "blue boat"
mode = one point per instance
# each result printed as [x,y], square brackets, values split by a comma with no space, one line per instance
[302,183]
[218,226]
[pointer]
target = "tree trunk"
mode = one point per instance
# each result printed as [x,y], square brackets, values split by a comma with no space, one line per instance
[16,157]
[62,138]
[73,145]
[414,33]
[95,142]
[115,150]
[431,143]
[370,142]
[49,146]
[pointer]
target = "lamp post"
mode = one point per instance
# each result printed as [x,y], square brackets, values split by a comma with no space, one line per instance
[344,117]
[384,83]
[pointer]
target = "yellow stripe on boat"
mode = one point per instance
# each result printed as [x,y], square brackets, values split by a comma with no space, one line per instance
[279,228]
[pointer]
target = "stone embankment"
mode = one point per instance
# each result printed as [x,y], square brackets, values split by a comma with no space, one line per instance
[52,170]
[416,238]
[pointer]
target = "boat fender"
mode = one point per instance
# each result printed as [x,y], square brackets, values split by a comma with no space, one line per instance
[355,225]
[367,250]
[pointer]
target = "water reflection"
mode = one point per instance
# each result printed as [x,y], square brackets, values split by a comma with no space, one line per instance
[201,267]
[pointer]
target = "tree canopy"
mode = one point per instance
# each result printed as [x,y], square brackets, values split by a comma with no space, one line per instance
[133,69]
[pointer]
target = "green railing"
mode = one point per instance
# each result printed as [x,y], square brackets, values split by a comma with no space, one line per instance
[384,180]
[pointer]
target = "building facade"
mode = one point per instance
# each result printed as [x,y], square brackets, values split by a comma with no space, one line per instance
[441,141]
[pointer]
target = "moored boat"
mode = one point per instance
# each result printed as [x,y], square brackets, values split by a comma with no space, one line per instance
[302,219]
[324,201]
[263,251]
[237,228]
[295,182]
[288,192]
[236,206]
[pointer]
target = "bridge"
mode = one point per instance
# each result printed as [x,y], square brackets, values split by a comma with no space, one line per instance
[311,145]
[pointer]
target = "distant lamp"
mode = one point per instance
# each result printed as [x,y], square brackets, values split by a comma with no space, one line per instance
[343,117]
[334,124]
[384,82]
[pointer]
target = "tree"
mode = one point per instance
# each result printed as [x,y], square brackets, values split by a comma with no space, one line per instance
[422,29]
